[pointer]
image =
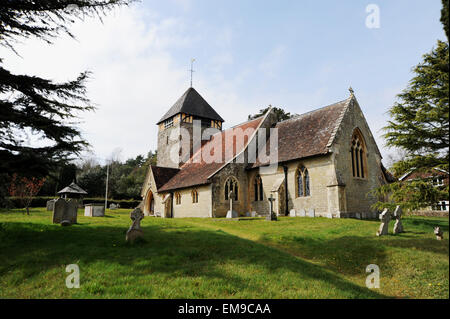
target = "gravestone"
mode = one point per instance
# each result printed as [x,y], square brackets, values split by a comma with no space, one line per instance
[70,213]
[311,212]
[272,215]
[113,206]
[50,204]
[248,214]
[231,213]
[292,213]
[135,231]
[439,233]
[302,213]
[65,211]
[58,210]
[253,214]
[398,226]
[385,218]
[94,210]
[358,216]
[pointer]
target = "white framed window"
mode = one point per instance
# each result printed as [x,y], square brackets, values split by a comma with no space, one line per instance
[168,123]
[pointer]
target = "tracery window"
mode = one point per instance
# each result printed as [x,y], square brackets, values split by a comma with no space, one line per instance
[358,154]
[194,196]
[258,188]
[302,178]
[177,198]
[231,184]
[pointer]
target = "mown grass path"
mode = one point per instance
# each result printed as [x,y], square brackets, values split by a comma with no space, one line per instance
[219,258]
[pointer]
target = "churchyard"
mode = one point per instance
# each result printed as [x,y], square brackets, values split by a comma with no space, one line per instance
[293,257]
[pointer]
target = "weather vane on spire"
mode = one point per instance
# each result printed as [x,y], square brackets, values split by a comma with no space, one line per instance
[192,68]
[351,91]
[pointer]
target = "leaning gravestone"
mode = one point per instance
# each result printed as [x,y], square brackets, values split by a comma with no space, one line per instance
[385,219]
[311,213]
[292,213]
[135,231]
[398,226]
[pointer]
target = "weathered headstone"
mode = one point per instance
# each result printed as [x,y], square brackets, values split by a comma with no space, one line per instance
[113,206]
[439,233]
[292,213]
[253,214]
[70,213]
[311,212]
[58,210]
[302,213]
[65,211]
[358,216]
[272,215]
[50,204]
[385,218]
[94,210]
[398,226]
[135,230]
[231,213]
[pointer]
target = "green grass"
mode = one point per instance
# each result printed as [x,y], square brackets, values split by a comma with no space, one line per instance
[219,258]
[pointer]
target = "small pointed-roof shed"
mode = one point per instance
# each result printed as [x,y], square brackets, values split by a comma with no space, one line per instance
[73,190]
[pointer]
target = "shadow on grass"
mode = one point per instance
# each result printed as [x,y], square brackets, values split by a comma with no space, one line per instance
[178,251]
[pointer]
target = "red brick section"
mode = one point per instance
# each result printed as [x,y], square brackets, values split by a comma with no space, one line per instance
[163,174]
[308,134]
[196,171]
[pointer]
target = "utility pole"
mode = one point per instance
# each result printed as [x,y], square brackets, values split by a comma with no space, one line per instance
[106,192]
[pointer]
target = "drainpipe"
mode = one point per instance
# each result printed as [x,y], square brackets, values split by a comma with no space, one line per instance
[286,210]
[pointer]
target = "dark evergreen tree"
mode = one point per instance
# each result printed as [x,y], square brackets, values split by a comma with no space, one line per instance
[31,104]
[420,126]
[279,112]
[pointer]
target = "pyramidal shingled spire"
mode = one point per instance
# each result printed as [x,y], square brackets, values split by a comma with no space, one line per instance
[192,103]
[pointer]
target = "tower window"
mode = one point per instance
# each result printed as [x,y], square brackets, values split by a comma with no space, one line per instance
[168,123]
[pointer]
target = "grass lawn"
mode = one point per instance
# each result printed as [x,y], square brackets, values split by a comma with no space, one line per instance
[219,258]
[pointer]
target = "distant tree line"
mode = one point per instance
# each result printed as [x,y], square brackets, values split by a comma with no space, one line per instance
[124,182]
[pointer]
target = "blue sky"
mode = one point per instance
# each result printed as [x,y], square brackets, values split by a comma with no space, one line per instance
[299,55]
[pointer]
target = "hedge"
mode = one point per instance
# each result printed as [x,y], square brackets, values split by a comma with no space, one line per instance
[41,201]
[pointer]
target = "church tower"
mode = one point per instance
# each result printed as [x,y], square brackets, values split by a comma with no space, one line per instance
[190,108]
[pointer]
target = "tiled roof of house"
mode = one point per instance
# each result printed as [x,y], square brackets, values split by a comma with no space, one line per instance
[192,103]
[308,134]
[196,171]
[163,174]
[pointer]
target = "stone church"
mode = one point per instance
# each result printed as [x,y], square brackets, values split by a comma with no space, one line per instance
[326,162]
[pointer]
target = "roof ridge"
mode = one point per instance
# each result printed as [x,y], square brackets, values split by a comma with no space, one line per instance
[312,111]
[339,120]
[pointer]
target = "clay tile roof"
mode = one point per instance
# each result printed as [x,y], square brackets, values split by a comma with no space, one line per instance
[307,134]
[163,174]
[196,171]
[192,103]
